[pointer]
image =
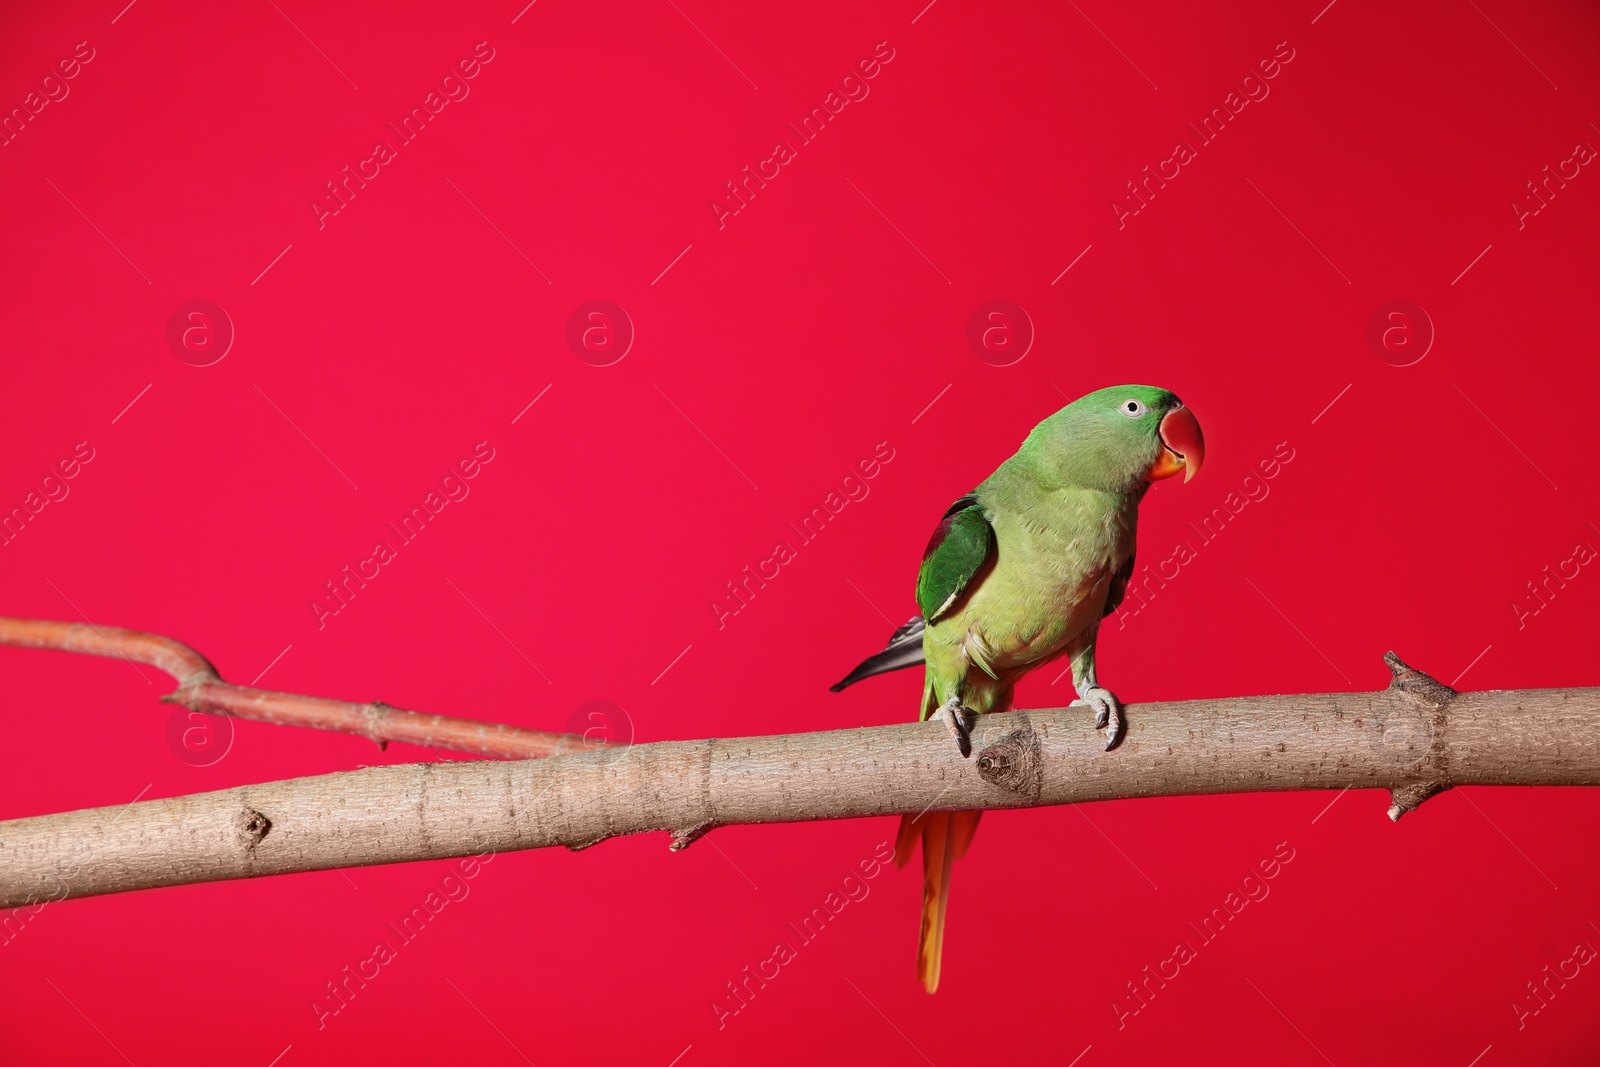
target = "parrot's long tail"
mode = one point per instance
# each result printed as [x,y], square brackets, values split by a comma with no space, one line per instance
[904,650]
[945,837]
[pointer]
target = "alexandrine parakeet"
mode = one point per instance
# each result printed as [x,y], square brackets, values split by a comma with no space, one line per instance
[1019,573]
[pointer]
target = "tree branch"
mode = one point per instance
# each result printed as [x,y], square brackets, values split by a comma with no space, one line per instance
[1414,738]
[200,688]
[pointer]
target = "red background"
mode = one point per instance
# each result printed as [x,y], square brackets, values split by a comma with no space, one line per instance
[792,341]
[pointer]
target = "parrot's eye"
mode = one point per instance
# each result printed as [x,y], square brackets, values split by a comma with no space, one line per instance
[1131,408]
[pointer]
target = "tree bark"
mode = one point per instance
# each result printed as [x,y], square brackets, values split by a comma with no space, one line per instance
[201,689]
[1414,738]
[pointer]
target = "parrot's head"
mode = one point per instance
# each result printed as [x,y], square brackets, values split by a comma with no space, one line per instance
[1123,438]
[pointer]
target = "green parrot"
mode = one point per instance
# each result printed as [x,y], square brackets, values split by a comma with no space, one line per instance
[1018,573]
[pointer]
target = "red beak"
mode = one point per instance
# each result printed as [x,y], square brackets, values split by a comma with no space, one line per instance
[1183,448]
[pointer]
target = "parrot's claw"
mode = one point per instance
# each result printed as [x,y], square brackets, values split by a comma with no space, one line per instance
[960,719]
[1107,713]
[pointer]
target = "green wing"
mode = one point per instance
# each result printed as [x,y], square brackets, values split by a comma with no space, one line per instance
[958,550]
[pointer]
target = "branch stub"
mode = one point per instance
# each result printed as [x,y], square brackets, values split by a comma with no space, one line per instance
[1013,762]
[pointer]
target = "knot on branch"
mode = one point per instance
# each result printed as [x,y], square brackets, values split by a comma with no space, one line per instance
[185,695]
[682,839]
[1409,797]
[1416,684]
[376,717]
[1431,775]
[252,827]
[1013,762]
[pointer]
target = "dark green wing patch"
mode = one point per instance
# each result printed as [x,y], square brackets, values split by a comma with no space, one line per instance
[960,546]
[1119,587]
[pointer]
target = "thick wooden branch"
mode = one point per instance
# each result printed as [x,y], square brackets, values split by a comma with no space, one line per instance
[200,688]
[1414,738]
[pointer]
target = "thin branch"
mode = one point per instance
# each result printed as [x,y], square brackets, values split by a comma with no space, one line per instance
[200,688]
[1414,738]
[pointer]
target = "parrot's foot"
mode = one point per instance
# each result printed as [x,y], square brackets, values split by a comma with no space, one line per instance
[960,719]
[1107,713]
